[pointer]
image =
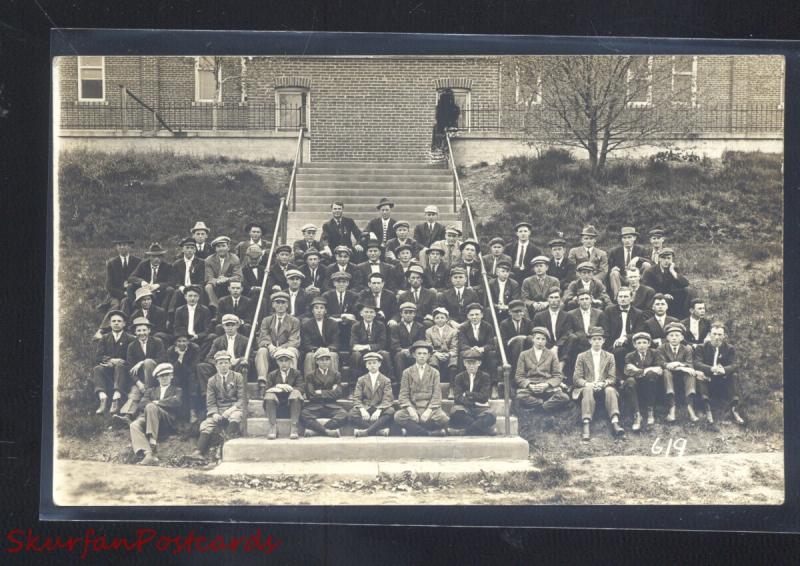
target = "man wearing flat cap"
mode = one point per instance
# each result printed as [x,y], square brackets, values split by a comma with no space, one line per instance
[372,412]
[253,273]
[342,307]
[586,282]
[341,230]
[236,304]
[200,234]
[401,230]
[402,265]
[471,414]
[342,264]
[309,242]
[375,265]
[384,301]
[677,362]
[560,266]
[255,231]
[477,335]
[629,254]
[642,372]
[369,335]
[444,339]
[186,270]
[118,269]
[535,288]
[424,299]
[496,255]
[110,374]
[451,245]
[276,281]
[381,229]
[299,298]
[230,341]
[278,330]
[588,251]
[220,267]
[666,279]
[515,332]
[430,231]
[314,272]
[225,405]
[656,245]
[503,290]
[323,389]
[284,388]
[158,409]
[457,297]
[155,274]
[470,263]
[420,396]
[318,331]
[402,335]
[436,274]
[522,251]
[538,376]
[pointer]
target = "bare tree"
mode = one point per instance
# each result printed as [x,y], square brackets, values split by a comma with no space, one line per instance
[602,103]
[223,70]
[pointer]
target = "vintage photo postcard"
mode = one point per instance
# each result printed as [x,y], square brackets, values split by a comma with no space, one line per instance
[296,280]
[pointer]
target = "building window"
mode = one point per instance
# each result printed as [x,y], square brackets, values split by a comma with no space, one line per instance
[91,77]
[463,98]
[684,80]
[206,75]
[640,82]
[291,108]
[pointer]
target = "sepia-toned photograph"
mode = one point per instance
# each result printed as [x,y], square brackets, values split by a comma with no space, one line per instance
[418,280]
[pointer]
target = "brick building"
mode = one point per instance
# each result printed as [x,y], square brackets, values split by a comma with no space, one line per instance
[383,108]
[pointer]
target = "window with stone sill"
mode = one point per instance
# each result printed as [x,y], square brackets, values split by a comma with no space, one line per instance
[91,79]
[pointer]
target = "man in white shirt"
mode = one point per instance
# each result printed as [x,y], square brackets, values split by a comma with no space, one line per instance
[595,381]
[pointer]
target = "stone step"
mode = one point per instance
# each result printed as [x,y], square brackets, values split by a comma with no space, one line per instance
[373,178]
[365,194]
[379,449]
[352,206]
[252,391]
[373,165]
[401,201]
[378,173]
[255,406]
[375,185]
[362,218]
[257,427]
[368,470]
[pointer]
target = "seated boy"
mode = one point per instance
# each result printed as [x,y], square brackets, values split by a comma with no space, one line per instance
[323,388]
[285,387]
[642,372]
[538,376]
[372,412]
[471,414]
[420,396]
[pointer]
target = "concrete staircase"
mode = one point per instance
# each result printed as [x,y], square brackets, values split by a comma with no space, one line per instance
[360,185]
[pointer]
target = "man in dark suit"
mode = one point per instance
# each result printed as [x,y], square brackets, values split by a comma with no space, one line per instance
[341,306]
[196,319]
[157,316]
[375,265]
[642,294]
[716,360]
[184,357]
[252,273]
[255,232]
[424,299]
[384,301]
[309,242]
[471,414]
[318,331]
[560,266]
[156,274]
[372,412]
[471,264]
[401,229]
[584,318]
[677,364]
[657,324]
[401,336]
[341,230]
[664,278]
[586,280]
[284,388]
[522,251]
[343,265]
[623,257]
[436,274]
[381,229]
[495,256]
[503,290]
[219,268]
[642,373]
[621,322]
[200,234]
[323,389]
[430,231]
[456,298]
[144,354]
[111,353]
[299,299]
[276,280]
[118,269]
[313,272]
[558,322]
[186,270]
[231,341]
[477,335]
[237,305]
[515,331]
[369,335]
[697,325]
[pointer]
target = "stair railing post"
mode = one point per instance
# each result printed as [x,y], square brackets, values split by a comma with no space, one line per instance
[124,106]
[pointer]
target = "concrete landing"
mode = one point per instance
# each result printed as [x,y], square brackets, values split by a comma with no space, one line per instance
[257,426]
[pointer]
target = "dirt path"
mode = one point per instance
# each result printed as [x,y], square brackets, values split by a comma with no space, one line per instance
[755,478]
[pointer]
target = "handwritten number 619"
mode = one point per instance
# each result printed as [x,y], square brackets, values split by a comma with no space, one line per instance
[679,445]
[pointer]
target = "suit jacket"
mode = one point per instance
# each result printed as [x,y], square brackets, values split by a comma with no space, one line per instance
[598,257]
[203,322]
[399,280]
[342,234]
[438,280]
[486,338]
[656,331]
[277,276]
[220,344]
[205,252]
[597,289]
[385,269]
[293,378]
[394,243]
[535,289]
[375,226]
[425,305]
[616,257]
[611,321]
[355,281]
[585,374]
[457,310]
[643,299]
[154,350]
[663,281]
[288,336]
[197,271]
[651,359]
[445,341]
[685,355]
[334,309]
[171,403]
[400,338]
[564,272]
[244,310]
[365,397]
[156,315]
[221,396]
[481,387]
[530,372]
[185,371]
[703,327]
[317,281]
[490,263]
[302,303]
[215,270]
[311,338]
[388,308]
[422,391]
[508,329]
[563,327]
[577,320]
[329,386]
[451,254]
[377,340]
[301,246]
[511,291]
[704,358]
[117,277]
[143,271]
[251,279]
[530,252]
[108,348]
[425,236]
[241,248]
[474,278]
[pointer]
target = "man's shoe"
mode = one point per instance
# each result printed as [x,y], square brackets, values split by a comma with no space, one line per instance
[438,432]
[383,432]
[102,408]
[618,430]
[671,414]
[495,394]
[333,433]
[308,433]
[736,417]
[293,432]
[637,422]
[149,460]
[709,416]
[455,431]
[120,422]
[193,416]
[692,415]
[360,433]
[586,435]
[197,455]
[272,432]
[651,417]
[114,407]
[262,389]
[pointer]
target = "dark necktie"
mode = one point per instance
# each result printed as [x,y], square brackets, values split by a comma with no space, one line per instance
[235,304]
[627,257]
[416,296]
[369,332]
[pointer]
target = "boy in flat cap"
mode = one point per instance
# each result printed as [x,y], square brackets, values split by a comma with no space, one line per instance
[436,271]
[230,341]
[255,231]
[369,335]
[470,263]
[318,331]
[200,234]
[381,228]
[642,371]
[278,330]
[444,339]
[595,379]
[629,254]
[225,404]
[676,360]
[309,242]
[158,409]
[196,319]
[402,335]
[385,302]
[536,287]
[276,281]
[586,282]
[299,299]
[375,265]
[451,245]
[496,255]
[456,298]
[430,231]
[424,299]
[314,272]
[144,354]
[154,273]
[561,267]
[187,270]
[471,414]
[515,332]
[588,252]
[236,304]
[110,374]
[342,264]
[420,397]
[323,389]
[219,268]
[715,360]
[342,308]
[522,251]
[477,335]
[284,388]
[401,230]
[503,290]
[372,412]
[538,376]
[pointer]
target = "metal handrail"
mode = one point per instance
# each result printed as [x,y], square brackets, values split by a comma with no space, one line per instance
[506,367]
[458,196]
[291,195]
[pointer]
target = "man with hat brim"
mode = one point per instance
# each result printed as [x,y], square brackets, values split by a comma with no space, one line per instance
[341,230]
[503,289]
[536,287]
[456,298]
[342,307]
[588,251]
[666,279]
[144,354]
[158,409]
[629,254]
[656,325]
[144,307]
[677,361]
[477,335]
[253,270]
[372,412]
[451,245]
[470,263]
[522,251]
[220,267]
[277,330]
[255,231]
[586,281]
[381,229]
[342,264]
[187,270]
[717,371]
[496,255]
[234,303]
[538,376]
[185,357]
[323,389]
[309,242]
[515,331]
[471,414]
[584,318]
[200,234]
[110,373]
[643,372]
[154,273]
[402,335]
[276,281]
[560,266]
[595,380]
[118,269]
[318,331]
[436,275]
[656,245]
[196,318]
[368,335]
[225,405]
[424,299]
[401,230]
[384,301]
[374,264]
[420,396]
[314,272]
[230,341]
[444,339]
[430,231]
[284,389]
